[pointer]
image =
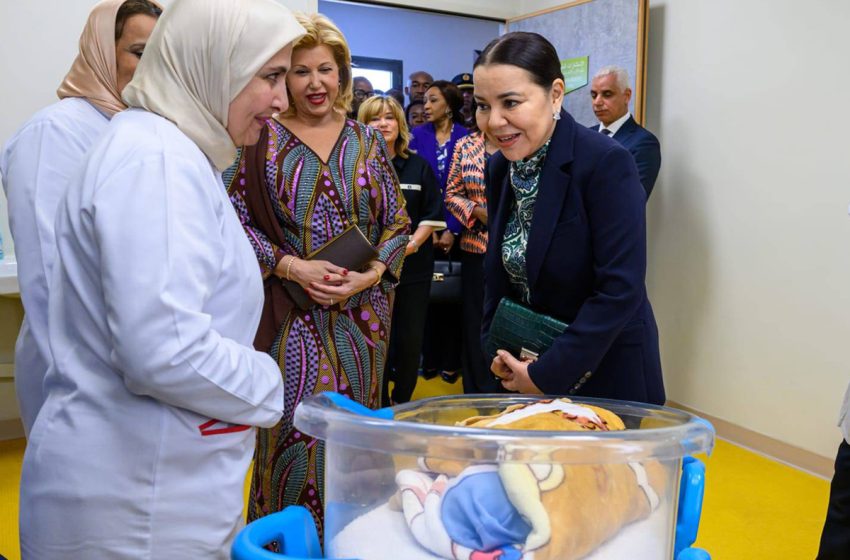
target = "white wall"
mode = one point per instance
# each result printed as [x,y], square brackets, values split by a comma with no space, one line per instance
[749,237]
[749,232]
[33,66]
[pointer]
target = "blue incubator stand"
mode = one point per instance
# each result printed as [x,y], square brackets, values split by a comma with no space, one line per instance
[365,448]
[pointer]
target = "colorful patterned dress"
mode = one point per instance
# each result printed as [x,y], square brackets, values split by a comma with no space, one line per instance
[304,202]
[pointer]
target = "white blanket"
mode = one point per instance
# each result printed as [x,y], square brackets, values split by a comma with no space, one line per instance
[382,534]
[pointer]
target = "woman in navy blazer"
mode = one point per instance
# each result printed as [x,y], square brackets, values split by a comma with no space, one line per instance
[567,233]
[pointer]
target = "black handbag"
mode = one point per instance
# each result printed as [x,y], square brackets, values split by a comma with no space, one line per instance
[446,282]
[521,331]
[350,249]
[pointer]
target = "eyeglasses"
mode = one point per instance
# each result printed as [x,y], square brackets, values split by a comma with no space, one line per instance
[363,94]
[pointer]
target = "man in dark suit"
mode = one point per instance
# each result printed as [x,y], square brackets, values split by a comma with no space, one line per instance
[610,93]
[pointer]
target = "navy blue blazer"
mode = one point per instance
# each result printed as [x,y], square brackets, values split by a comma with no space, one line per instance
[644,147]
[586,264]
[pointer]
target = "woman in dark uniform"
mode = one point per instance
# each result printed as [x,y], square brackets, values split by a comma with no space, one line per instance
[425,208]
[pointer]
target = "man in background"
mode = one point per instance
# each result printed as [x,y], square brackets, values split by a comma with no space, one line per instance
[397,95]
[363,90]
[417,84]
[610,94]
[467,90]
[415,114]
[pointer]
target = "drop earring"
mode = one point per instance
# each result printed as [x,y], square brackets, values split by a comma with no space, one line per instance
[556,115]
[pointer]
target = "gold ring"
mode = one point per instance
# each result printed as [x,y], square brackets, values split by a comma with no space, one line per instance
[332,301]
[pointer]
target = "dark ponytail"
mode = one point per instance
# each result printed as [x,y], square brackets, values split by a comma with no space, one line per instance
[529,51]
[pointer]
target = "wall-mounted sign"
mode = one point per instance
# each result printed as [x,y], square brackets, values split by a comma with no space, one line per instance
[575,72]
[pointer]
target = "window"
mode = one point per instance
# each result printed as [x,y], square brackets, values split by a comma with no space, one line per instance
[383,73]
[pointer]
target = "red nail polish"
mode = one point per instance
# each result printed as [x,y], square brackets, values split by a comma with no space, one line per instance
[327,277]
[345,272]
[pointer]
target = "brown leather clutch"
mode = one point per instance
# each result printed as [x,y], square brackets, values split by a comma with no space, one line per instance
[350,249]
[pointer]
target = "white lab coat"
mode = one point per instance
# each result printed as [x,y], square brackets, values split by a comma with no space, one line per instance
[37,163]
[140,450]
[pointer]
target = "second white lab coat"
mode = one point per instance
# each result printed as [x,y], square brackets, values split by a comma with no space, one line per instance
[143,443]
[37,164]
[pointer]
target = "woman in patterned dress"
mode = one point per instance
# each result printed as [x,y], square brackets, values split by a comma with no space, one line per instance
[314,173]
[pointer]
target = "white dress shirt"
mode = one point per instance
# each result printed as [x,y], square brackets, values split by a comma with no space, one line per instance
[615,126]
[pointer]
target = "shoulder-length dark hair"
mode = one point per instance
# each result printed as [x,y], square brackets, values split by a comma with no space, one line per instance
[453,99]
[529,51]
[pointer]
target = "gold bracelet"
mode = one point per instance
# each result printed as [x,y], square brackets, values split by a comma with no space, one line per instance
[288,266]
[377,273]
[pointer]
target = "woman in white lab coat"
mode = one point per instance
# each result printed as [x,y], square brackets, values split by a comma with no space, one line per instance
[39,160]
[143,443]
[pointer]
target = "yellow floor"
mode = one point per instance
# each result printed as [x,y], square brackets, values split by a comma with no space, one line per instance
[754,508]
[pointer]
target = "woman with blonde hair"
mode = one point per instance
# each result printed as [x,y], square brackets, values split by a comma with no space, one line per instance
[141,448]
[422,196]
[313,176]
[39,160]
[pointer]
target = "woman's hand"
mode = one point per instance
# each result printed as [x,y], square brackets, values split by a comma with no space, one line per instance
[419,237]
[335,289]
[410,248]
[480,214]
[514,373]
[308,272]
[444,240]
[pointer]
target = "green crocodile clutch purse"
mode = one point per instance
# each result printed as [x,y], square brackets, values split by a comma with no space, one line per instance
[521,331]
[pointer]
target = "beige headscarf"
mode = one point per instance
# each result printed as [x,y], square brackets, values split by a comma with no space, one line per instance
[94,73]
[200,56]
